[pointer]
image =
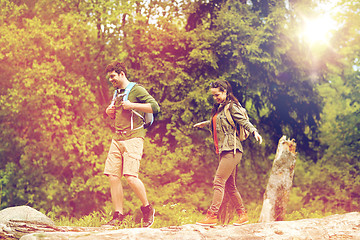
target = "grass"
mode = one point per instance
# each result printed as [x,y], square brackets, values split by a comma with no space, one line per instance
[166,215]
[171,215]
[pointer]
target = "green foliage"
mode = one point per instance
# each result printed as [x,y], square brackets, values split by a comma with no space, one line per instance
[304,213]
[175,214]
[57,121]
[340,136]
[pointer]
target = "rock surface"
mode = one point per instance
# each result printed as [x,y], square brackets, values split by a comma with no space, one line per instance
[25,223]
[346,226]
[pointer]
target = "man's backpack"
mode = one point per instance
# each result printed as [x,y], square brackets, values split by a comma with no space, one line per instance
[148,118]
[240,130]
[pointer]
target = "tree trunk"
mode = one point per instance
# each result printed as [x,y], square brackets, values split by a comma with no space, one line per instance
[280,182]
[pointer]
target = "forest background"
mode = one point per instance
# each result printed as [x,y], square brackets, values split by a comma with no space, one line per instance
[54,133]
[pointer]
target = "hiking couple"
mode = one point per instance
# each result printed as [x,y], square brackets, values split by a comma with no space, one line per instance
[127,145]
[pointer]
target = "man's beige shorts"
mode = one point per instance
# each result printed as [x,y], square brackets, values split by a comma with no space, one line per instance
[124,157]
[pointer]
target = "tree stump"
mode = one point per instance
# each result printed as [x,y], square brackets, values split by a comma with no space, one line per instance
[280,182]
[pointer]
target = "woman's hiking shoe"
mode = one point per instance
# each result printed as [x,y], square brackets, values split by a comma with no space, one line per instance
[148,215]
[209,220]
[116,220]
[243,218]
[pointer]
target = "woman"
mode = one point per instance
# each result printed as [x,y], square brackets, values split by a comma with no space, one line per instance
[223,134]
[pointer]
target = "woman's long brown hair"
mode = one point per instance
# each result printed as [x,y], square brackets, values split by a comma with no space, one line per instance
[223,85]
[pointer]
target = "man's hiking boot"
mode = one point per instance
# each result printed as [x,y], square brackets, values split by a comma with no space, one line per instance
[116,220]
[209,220]
[243,218]
[148,215]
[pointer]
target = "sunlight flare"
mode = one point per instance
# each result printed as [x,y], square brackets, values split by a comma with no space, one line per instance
[318,31]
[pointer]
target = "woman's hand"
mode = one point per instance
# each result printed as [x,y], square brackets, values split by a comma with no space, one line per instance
[257,137]
[202,124]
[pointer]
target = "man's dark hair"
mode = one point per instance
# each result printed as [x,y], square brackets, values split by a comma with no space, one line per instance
[116,66]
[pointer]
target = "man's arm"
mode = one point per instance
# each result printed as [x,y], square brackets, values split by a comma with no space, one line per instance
[143,107]
[144,102]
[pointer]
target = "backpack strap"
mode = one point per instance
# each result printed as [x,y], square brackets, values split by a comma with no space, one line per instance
[228,115]
[127,90]
[114,97]
[125,98]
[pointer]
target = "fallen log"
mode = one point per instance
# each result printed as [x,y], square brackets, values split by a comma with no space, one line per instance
[344,226]
[280,182]
[15,229]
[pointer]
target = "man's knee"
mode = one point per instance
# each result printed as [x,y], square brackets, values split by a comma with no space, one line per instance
[131,179]
[114,179]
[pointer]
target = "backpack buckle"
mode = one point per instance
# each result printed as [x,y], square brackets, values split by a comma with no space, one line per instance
[121,132]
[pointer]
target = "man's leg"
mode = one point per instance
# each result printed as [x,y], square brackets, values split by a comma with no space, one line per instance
[132,158]
[113,169]
[138,187]
[116,191]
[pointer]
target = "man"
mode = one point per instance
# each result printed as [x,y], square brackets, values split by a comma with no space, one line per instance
[126,148]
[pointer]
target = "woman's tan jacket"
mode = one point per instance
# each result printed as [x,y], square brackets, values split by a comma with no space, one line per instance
[225,132]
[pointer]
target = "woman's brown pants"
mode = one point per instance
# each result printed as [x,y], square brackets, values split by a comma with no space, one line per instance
[224,181]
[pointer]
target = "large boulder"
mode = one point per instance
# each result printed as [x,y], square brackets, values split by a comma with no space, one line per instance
[22,214]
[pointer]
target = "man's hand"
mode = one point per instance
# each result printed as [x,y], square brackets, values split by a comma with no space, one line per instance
[110,111]
[127,105]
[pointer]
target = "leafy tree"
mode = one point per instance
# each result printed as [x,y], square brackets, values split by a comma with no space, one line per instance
[51,152]
[55,122]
